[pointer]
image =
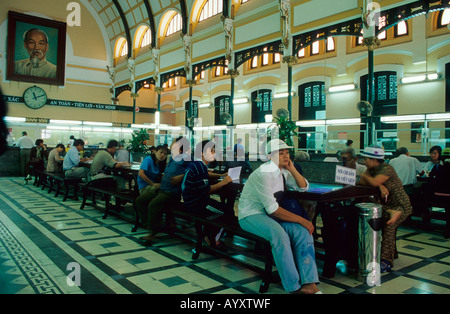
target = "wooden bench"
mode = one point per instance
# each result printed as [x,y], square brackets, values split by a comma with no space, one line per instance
[231,227]
[50,178]
[107,187]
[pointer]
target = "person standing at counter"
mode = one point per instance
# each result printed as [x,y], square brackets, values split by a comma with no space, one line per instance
[25,143]
[71,163]
[396,206]
[290,235]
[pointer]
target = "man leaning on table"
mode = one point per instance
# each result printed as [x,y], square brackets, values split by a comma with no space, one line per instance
[105,158]
[71,163]
[290,235]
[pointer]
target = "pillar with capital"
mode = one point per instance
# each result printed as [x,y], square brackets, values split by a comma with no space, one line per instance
[288,58]
[370,18]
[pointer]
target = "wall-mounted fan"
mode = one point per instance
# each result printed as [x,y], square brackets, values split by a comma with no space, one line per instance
[282,113]
[225,117]
[365,107]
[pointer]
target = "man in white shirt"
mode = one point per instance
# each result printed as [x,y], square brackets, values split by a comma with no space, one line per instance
[25,143]
[407,168]
[291,238]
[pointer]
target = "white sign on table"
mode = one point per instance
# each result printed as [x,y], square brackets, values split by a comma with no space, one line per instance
[345,175]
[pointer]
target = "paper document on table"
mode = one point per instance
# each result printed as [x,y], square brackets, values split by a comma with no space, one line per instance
[234,173]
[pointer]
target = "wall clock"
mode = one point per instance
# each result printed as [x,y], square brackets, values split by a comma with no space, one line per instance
[35,97]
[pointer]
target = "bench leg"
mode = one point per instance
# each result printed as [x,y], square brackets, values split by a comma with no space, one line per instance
[200,235]
[107,204]
[136,221]
[50,188]
[58,188]
[267,275]
[83,203]
[75,191]
[66,191]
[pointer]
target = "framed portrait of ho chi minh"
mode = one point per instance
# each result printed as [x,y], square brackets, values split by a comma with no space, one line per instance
[36,49]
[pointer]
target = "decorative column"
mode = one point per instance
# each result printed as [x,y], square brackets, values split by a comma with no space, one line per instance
[371,41]
[290,61]
[112,76]
[187,56]
[228,29]
[134,95]
[285,12]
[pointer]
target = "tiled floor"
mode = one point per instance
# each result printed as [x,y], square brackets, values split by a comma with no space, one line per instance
[46,243]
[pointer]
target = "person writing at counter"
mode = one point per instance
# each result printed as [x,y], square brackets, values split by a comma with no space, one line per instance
[104,158]
[54,163]
[71,163]
[290,235]
[396,206]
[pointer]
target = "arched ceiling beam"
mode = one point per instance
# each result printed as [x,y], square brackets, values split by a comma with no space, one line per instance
[226,8]
[184,16]
[151,20]
[125,25]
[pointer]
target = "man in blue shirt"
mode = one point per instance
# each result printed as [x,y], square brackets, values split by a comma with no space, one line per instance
[72,160]
[196,188]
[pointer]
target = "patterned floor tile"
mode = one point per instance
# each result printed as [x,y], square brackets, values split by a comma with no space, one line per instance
[43,235]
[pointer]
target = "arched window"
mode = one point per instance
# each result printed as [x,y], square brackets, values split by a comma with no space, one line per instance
[174,25]
[401,29]
[143,37]
[121,48]
[331,46]
[211,8]
[317,48]
[443,18]
[146,38]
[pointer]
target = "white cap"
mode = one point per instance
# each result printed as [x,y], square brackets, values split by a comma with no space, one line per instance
[275,145]
[375,152]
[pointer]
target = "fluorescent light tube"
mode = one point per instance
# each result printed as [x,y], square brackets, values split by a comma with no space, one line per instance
[65,122]
[238,101]
[341,88]
[352,121]
[438,116]
[306,123]
[405,118]
[97,123]
[15,119]
[414,79]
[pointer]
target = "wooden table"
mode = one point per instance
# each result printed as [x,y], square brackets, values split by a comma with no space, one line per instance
[340,222]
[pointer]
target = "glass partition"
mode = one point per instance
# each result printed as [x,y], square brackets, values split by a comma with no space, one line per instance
[337,140]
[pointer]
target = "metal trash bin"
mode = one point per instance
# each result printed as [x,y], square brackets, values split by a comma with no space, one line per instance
[369,242]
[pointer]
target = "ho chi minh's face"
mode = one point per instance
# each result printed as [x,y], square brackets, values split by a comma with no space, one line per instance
[36,44]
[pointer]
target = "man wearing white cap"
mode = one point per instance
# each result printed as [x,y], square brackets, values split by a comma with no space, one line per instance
[290,235]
